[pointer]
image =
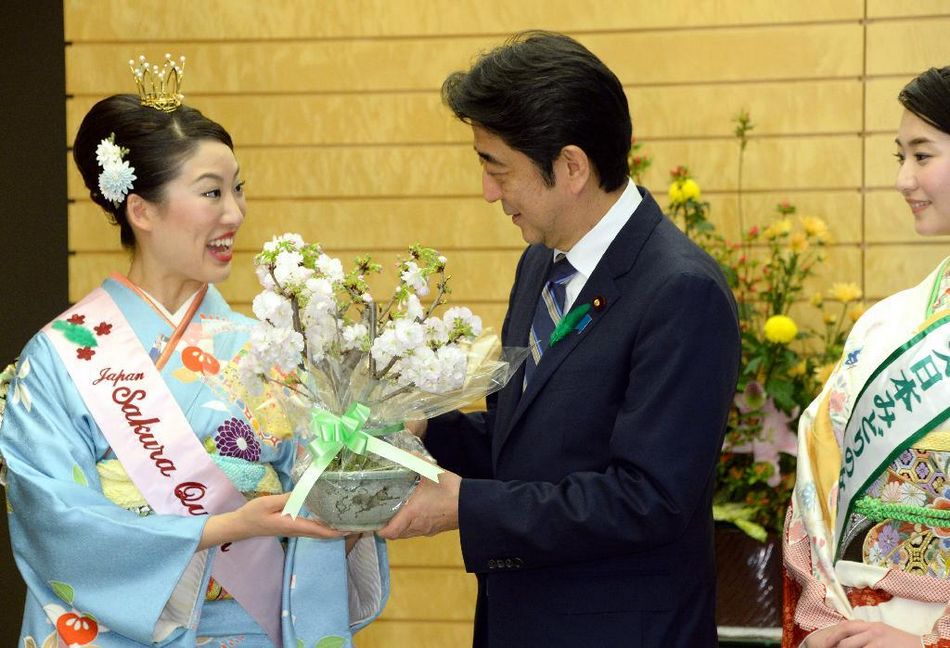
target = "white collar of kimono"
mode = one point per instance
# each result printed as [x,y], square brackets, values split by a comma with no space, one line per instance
[176,317]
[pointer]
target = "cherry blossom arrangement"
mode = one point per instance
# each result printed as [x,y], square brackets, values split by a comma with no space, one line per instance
[349,370]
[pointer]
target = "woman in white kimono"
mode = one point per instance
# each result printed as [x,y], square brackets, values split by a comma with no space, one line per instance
[144,510]
[867,538]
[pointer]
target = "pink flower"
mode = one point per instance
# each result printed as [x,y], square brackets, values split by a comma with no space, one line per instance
[751,398]
[775,436]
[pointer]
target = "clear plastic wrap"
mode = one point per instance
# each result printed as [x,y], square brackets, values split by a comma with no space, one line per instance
[360,490]
[345,373]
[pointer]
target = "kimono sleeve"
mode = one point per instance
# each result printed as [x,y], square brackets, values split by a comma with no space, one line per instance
[69,540]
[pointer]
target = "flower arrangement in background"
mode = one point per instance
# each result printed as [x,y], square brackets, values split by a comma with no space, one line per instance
[790,343]
[637,161]
[349,371]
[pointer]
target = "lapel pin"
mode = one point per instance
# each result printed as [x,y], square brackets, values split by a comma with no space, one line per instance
[598,303]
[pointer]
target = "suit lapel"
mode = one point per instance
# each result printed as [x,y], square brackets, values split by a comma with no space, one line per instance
[527,288]
[616,262]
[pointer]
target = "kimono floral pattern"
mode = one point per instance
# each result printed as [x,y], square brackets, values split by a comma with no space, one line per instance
[73,627]
[21,392]
[235,438]
[916,478]
[46,443]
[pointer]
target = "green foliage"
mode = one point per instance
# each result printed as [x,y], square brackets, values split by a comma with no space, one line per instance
[782,371]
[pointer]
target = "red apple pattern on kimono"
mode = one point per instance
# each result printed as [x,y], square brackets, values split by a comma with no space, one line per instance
[199,361]
[76,629]
[73,627]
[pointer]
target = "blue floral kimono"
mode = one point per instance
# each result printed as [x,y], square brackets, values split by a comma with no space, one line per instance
[103,569]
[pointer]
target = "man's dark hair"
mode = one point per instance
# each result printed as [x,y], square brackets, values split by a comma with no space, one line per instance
[542,91]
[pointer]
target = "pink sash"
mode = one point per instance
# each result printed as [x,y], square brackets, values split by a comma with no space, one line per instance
[156,444]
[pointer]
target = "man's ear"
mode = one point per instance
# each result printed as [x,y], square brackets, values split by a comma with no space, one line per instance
[575,168]
[140,213]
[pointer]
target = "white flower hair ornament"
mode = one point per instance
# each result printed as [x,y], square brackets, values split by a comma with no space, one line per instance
[116,178]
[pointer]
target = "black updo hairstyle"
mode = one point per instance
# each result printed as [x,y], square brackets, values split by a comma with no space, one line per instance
[928,97]
[158,144]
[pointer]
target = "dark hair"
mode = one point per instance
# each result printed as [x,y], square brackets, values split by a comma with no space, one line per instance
[542,91]
[928,97]
[158,144]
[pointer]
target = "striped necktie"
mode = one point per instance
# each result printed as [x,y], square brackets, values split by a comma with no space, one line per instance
[548,312]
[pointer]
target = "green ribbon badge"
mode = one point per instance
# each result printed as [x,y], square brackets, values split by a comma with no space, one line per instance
[573,320]
[333,433]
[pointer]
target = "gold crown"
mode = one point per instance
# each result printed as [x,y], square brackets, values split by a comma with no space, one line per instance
[159,86]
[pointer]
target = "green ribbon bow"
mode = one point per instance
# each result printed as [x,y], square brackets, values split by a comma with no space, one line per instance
[333,433]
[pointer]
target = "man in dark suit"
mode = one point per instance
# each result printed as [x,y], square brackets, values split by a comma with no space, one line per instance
[583,494]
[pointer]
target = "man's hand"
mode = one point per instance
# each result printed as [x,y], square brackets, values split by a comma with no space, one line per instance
[432,508]
[862,634]
[418,427]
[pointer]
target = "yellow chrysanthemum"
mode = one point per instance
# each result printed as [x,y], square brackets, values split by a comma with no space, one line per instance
[797,370]
[823,373]
[798,242]
[845,292]
[817,299]
[780,329]
[857,311]
[830,318]
[781,227]
[691,189]
[815,226]
[684,190]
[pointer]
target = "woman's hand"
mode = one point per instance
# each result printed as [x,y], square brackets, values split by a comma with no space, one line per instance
[861,634]
[261,516]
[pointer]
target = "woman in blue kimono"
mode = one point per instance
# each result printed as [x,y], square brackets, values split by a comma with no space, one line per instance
[124,472]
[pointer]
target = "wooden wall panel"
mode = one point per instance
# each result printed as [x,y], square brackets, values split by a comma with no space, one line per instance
[335,110]
[438,551]
[386,633]
[318,119]
[343,225]
[453,170]
[880,165]
[896,267]
[771,163]
[822,50]
[98,20]
[902,8]
[418,117]
[881,108]
[454,603]
[780,108]
[907,47]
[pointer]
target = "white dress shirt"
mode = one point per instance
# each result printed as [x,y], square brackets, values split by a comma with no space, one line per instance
[587,252]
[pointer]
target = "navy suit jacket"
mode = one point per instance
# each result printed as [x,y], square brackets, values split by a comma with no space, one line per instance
[585,504]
